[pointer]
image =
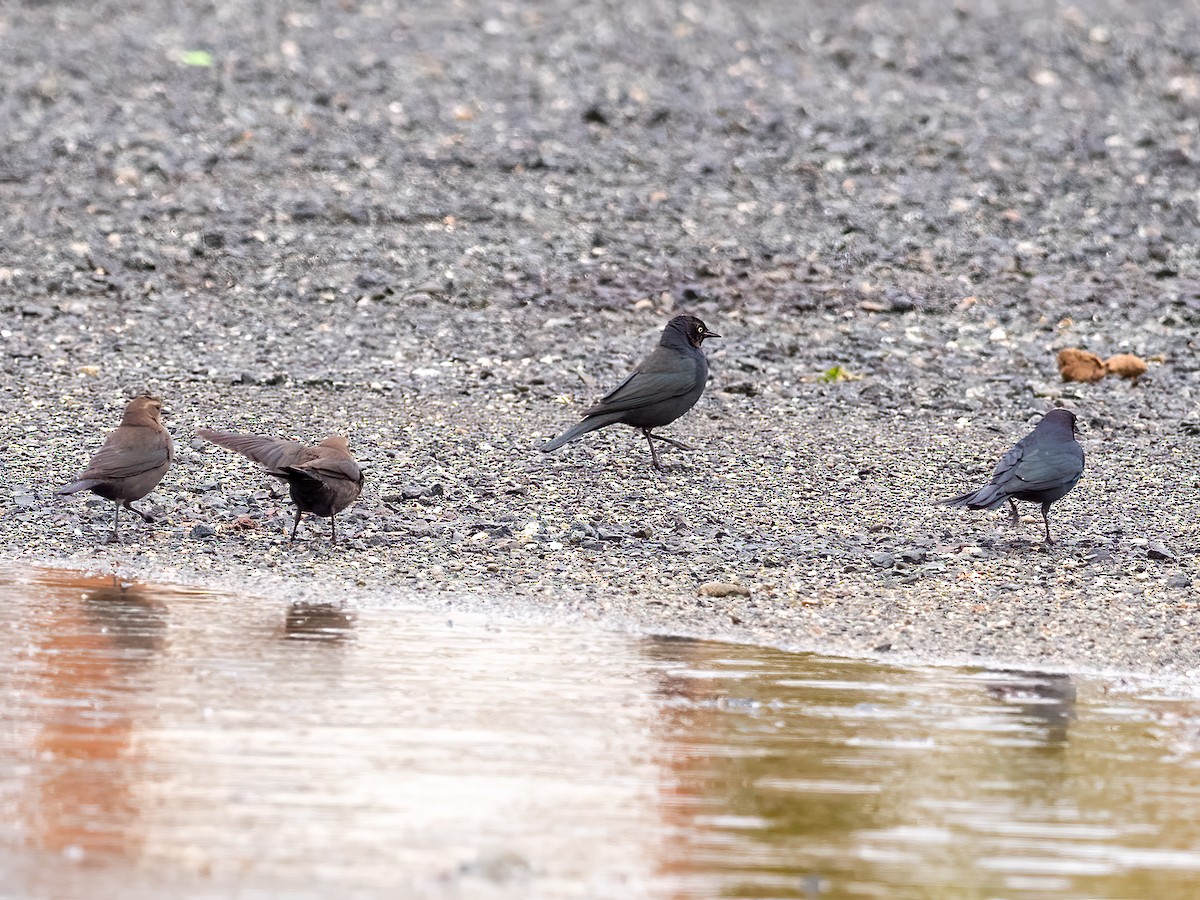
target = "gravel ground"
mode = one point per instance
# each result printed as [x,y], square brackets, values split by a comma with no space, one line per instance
[442,229]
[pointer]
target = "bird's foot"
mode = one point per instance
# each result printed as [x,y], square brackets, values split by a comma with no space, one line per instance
[150,515]
[112,538]
[671,441]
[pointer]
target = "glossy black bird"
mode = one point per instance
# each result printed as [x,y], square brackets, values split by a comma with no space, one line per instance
[131,462]
[322,479]
[1042,467]
[664,386]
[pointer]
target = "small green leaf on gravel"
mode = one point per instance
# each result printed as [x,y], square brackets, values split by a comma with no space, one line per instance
[201,58]
[837,373]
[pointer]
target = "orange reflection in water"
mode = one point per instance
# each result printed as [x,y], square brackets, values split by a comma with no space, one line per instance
[92,639]
[684,791]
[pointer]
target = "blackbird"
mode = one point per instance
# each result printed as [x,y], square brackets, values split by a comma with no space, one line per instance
[130,462]
[322,479]
[664,386]
[1042,467]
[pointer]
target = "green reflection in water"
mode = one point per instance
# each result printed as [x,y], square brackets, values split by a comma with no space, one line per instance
[801,776]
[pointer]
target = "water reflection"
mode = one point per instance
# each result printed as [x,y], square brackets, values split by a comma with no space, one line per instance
[796,775]
[78,799]
[1041,698]
[184,744]
[325,622]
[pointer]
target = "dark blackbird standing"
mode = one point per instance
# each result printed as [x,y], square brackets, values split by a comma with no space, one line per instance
[323,480]
[664,386]
[1042,467]
[131,461]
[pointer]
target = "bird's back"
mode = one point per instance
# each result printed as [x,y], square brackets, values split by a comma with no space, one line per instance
[1047,470]
[665,385]
[129,464]
[327,480]
[1042,467]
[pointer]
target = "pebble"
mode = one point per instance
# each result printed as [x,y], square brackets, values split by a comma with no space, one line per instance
[723,589]
[883,560]
[422,491]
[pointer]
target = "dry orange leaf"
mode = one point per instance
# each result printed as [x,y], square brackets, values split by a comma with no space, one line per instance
[1079,365]
[1126,365]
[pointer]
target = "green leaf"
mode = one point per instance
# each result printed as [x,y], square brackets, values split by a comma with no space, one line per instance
[200,58]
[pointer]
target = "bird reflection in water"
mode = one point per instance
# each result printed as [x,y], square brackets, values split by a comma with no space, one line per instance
[93,638]
[326,622]
[1045,699]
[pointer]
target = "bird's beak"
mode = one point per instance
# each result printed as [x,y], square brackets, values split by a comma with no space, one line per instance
[709,334]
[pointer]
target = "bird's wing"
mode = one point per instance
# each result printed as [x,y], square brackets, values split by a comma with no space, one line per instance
[119,459]
[1044,468]
[643,388]
[1008,462]
[326,467]
[271,453]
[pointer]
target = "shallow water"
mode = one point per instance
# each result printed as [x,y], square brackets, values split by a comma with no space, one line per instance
[167,742]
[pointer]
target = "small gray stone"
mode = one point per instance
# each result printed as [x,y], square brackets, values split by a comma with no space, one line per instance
[580,532]
[202,530]
[422,491]
[883,560]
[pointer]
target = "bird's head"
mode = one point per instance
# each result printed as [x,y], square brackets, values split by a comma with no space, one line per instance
[693,330]
[1062,417]
[145,410]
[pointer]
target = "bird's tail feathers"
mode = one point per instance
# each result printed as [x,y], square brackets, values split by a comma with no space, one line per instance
[591,423]
[987,497]
[84,484]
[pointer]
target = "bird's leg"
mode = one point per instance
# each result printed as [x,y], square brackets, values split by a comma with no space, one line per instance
[115,537]
[1046,519]
[1016,517]
[333,529]
[295,525]
[653,456]
[667,440]
[146,517]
